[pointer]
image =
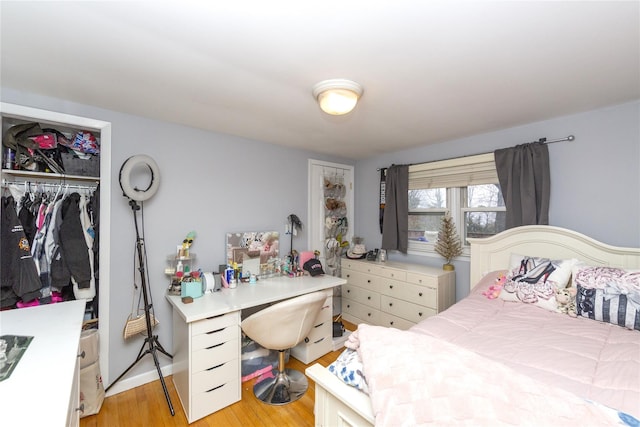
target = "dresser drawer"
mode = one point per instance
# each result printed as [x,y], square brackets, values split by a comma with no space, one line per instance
[361,295]
[208,402]
[422,279]
[320,330]
[364,280]
[404,309]
[392,321]
[366,313]
[214,355]
[421,295]
[215,336]
[386,272]
[213,323]
[215,376]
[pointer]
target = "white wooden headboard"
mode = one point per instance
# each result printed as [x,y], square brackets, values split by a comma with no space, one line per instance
[493,253]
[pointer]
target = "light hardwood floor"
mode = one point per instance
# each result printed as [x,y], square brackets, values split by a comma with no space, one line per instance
[146,406]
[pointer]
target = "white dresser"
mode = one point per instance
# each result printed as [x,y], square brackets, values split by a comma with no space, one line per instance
[394,294]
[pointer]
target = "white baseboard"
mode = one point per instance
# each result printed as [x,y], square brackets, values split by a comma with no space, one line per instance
[141,379]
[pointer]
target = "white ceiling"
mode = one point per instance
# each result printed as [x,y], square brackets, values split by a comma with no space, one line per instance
[431,70]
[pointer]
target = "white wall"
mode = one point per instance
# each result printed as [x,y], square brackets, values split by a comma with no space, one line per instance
[210,183]
[595,180]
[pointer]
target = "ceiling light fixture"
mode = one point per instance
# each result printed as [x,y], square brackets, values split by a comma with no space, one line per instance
[337,96]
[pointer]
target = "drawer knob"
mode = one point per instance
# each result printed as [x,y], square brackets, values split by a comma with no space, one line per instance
[419,294]
[419,280]
[306,339]
[80,408]
[391,323]
[348,290]
[82,355]
[369,314]
[348,275]
[390,304]
[348,306]
[390,286]
[420,314]
[369,297]
[368,280]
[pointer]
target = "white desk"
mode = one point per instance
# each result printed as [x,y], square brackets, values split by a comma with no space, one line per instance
[43,388]
[207,339]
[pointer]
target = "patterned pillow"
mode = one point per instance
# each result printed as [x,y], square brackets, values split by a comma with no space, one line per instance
[609,295]
[348,367]
[536,281]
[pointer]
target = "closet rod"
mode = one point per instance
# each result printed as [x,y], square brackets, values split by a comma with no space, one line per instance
[541,140]
[37,184]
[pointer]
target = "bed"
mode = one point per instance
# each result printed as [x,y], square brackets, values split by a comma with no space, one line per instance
[492,359]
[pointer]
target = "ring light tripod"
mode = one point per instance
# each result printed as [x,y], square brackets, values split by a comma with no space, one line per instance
[151,344]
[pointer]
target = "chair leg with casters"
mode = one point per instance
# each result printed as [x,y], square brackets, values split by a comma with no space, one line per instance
[286,386]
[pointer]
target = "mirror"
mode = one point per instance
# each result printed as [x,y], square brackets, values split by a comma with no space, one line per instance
[256,251]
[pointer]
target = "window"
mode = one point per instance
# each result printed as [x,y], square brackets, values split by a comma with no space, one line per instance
[466,187]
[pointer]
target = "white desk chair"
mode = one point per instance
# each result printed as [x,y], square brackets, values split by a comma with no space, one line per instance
[281,327]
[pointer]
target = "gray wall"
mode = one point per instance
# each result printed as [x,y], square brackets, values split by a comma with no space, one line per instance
[214,183]
[595,180]
[210,183]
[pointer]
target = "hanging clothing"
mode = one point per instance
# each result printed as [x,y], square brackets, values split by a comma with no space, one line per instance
[74,251]
[87,229]
[19,277]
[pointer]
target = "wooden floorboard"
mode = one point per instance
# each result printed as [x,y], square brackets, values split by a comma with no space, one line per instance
[146,406]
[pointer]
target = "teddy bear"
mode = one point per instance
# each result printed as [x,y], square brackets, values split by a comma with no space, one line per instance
[494,290]
[566,299]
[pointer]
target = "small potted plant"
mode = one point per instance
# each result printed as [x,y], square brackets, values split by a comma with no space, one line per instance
[448,244]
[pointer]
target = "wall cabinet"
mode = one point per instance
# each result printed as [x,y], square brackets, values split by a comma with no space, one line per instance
[394,294]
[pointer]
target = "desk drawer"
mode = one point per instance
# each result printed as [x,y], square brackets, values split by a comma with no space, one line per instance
[208,402]
[216,336]
[214,376]
[216,322]
[215,355]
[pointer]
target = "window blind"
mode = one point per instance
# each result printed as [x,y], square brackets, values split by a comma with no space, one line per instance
[458,172]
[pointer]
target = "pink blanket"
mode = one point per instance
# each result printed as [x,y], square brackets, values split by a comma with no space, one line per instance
[416,379]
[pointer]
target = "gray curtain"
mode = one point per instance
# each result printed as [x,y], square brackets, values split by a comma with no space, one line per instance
[395,224]
[523,172]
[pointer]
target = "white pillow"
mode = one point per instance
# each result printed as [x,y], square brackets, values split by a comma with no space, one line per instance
[536,280]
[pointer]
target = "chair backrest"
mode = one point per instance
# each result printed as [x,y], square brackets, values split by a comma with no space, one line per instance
[285,324]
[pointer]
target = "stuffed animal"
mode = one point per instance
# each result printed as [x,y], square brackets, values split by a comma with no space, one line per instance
[494,290]
[566,299]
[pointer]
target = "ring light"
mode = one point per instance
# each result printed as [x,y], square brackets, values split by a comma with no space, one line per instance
[125,177]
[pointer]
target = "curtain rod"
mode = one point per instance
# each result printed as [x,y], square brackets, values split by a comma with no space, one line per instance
[541,141]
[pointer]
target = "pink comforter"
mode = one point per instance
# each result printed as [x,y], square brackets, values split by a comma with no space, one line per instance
[595,360]
[415,379]
[509,364]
